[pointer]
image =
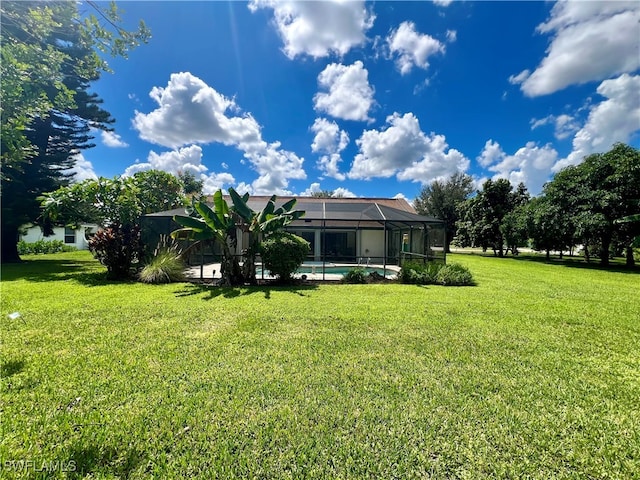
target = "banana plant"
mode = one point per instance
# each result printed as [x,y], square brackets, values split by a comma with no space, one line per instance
[213,224]
[260,225]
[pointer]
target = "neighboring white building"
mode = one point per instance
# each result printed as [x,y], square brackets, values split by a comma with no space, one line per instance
[78,238]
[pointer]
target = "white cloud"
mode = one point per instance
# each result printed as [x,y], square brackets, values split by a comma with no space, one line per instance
[330,140]
[412,48]
[344,193]
[491,153]
[591,41]
[181,160]
[349,96]
[215,181]
[113,140]
[519,78]
[82,169]
[530,164]
[442,3]
[402,149]
[565,125]
[452,36]
[613,120]
[275,167]
[190,111]
[187,159]
[439,162]
[313,188]
[319,29]
[338,192]
[329,165]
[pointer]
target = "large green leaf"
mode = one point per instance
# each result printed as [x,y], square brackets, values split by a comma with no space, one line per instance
[220,205]
[288,205]
[268,210]
[190,222]
[241,207]
[215,220]
[296,214]
[190,234]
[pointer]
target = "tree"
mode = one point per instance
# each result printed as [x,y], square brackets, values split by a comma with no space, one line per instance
[157,191]
[260,225]
[591,196]
[192,187]
[514,228]
[49,58]
[213,224]
[117,205]
[544,225]
[482,217]
[221,222]
[107,201]
[440,199]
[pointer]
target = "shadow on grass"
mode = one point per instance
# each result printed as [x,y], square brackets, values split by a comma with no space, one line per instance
[89,459]
[11,367]
[86,272]
[209,292]
[576,262]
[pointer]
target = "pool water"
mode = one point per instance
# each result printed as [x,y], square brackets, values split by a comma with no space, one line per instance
[334,270]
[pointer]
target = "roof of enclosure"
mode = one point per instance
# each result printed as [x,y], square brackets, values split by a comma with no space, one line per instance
[394,211]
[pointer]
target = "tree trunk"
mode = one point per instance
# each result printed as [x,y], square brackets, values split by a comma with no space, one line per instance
[447,242]
[230,268]
[548,255]
[629,255]
[9,248]
[604,251]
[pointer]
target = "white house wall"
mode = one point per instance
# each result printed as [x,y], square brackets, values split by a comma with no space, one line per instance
[34,234]
[371,244]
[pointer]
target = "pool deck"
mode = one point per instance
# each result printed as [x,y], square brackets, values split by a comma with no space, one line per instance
[211,271]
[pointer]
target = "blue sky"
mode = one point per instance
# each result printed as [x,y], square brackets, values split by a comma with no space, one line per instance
[369,99]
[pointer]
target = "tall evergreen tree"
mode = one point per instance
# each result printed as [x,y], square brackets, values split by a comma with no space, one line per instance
[49,119]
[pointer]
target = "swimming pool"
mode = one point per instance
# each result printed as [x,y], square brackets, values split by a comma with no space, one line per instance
[333,269]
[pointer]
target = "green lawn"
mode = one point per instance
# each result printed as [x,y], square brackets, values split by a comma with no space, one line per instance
[533,373]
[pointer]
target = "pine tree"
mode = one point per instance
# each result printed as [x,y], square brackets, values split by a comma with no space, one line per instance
[48,121]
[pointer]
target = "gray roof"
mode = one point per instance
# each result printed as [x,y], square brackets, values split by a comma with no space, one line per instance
[352,210]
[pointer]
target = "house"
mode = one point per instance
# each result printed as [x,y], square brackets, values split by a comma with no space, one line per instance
[75,237]
[383,231]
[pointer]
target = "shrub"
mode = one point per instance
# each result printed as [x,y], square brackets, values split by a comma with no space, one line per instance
[355,275]
[117,247]
[166,266]
[454,274]
[435,273]
[44,246]
[283,253]
[419,273]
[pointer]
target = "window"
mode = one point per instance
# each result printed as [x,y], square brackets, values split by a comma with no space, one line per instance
[340,246]
[69,235]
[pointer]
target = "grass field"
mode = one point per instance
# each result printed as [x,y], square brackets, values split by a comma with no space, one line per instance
[532,373]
